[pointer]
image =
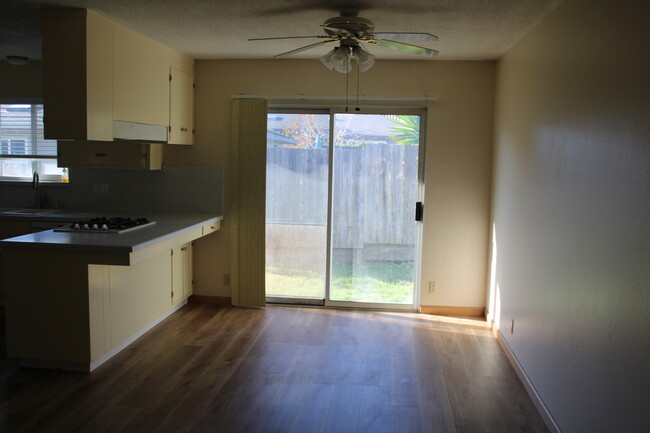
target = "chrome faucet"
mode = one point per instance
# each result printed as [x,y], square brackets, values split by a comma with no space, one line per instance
[35,184]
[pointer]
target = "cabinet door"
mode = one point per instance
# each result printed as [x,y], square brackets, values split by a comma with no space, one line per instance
[125,155]
[154,83]
[99,77]
[136,156]
[79,154]
[181,272]
[181,107]
[125,60]
[130,155]
[186,255]
[64,75]
[77,75]
[140,83]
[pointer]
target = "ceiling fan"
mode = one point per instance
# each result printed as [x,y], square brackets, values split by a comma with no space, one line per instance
[351,31]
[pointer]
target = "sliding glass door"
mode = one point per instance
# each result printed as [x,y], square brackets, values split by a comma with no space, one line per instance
[341,195]
[375,188]
[297,173]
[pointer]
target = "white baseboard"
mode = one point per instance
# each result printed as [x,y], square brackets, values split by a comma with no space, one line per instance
[532,392]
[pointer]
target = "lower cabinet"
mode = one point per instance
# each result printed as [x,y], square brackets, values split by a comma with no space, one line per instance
[125,299]
[181,272]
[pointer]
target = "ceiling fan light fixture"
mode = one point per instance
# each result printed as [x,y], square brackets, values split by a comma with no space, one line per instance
[364,59]
[337,60]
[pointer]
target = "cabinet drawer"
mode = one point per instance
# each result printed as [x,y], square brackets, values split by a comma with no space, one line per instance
[212,227]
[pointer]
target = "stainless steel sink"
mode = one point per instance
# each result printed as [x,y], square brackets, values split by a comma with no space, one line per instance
[28,212]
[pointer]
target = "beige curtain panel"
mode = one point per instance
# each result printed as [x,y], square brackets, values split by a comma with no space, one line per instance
[249,201]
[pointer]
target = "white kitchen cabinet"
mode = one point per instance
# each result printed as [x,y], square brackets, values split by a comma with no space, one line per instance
[123,154]
[181,107]
[97,72]
[124,299]
[181,272]
[140,78]
[77,75]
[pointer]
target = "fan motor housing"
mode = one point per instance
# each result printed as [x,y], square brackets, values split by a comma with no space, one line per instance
[355,25]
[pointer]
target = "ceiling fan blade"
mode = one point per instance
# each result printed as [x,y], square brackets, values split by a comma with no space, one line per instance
[306,47]
[289,37]
[406,36]
[407,48]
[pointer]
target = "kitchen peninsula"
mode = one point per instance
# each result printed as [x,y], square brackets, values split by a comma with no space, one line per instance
[74,300]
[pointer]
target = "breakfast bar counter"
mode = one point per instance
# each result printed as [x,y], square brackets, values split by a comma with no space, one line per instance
[165,227]
[74,300]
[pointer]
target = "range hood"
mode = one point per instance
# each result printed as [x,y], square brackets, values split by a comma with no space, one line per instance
[139,131]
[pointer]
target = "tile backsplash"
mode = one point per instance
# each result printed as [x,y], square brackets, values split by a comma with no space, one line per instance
[174,189]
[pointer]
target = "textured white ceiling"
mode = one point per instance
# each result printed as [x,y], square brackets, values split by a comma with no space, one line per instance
[219,29]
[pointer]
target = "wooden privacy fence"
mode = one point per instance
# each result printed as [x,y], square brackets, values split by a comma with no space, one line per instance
[374,192]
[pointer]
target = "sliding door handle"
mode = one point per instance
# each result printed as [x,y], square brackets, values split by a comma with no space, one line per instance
[419,209]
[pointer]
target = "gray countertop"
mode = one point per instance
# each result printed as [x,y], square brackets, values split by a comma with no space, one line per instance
[166,226]
[50,215]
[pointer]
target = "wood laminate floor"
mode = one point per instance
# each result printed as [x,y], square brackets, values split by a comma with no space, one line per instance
[282,369]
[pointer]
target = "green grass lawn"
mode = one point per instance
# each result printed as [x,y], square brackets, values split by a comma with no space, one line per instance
[377,282]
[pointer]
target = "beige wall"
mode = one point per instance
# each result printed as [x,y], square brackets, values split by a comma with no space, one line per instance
[572,212]
[458,157]
[21,81]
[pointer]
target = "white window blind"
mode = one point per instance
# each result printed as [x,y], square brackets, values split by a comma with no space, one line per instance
[23,150]
[21,131]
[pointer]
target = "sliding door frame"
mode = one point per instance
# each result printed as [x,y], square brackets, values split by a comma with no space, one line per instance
[414,305]
[326,301]
[307,300]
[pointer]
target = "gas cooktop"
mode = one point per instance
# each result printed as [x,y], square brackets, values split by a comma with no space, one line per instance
[114,225]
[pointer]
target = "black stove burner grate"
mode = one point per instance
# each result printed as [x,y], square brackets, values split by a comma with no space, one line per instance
[114,223]
[107,225]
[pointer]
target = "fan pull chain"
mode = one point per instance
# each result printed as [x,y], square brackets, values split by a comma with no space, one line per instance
[358,73]
[347,80]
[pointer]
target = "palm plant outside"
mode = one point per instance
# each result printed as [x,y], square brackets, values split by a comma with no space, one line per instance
[407,129]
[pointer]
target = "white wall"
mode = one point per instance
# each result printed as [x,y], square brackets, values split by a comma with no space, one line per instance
[458,157]
[571,210]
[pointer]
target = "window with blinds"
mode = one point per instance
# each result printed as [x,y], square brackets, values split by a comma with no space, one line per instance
[23,150]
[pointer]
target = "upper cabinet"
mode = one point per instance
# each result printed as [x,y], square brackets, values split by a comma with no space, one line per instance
[78,75]
[181,107]
[97,72]
[140,82]
[123,154]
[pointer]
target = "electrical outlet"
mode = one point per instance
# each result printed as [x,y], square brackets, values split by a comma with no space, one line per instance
[433,286]
[226,279]
[512,326]
[100,188]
